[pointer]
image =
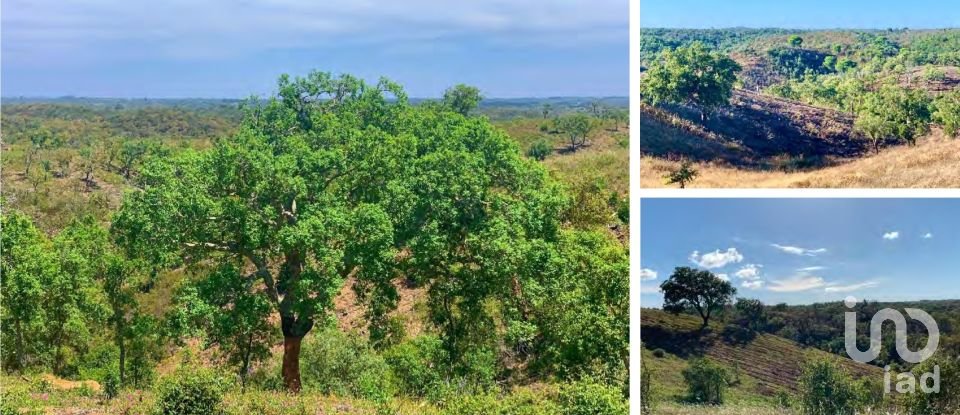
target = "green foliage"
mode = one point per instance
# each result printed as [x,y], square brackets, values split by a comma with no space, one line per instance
[331,179]
[462,98]
[751,313]
[691,75]
[418,365]
[576,127]
[589,397]
[111,386]
[795,63]
[948,398]
[581,302]
[697,290]
[934,74]
[706,382]
[827,389]
[539,150]
[795,41]
[682,176]
[27,267]
[336,363]
[948,113]
[190,391]
[231,313]
[894,113]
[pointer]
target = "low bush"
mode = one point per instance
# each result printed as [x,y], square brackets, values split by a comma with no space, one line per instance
[706,382]
[417,365]
[825,389]
[190,391]
[333,362]
[539,150]
[588,397]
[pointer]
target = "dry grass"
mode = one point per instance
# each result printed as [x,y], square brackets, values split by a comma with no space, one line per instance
[933,163]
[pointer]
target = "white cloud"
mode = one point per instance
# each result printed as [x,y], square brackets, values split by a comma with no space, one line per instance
[796,250]
[716,259]
[647,274]
[753,285]
[891,235]
[797,283]
[749,272]
[724,277]
[806,270]
[851,287]
[927,235]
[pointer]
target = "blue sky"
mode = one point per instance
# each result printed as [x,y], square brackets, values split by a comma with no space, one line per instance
[228,48]
[801,251]
[800,14]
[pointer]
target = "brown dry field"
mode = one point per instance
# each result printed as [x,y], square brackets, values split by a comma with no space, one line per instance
[933,163]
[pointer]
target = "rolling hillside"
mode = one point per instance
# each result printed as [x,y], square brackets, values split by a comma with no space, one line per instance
[766,363]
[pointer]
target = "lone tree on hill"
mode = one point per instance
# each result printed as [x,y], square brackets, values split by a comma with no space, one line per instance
[336,179]
[692,75]
[698,290]
[462,98]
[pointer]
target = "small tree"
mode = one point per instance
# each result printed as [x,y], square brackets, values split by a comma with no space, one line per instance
[751,313]
[539,150]
[948,113]
[577,127]
[706,382]
[646,390]
[692,75]
[894,112]
[545,110]
[698,290]
[826,390]
[795,41]
[40,140]
[462,98]
[685,174]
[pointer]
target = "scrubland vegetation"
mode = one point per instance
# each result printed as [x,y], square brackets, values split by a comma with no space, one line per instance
[745,106]
[336,248]
[752,358]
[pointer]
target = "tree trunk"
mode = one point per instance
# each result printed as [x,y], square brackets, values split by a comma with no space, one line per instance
[123,349]
[291,363]
[246,362]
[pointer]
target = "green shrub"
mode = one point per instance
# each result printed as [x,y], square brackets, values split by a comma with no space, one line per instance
[706,382]
[587,397]
[190,391]
[416,364]
[826,390]
[111,385]
[333,362]
[948,399]
[783,399]
[540,150]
